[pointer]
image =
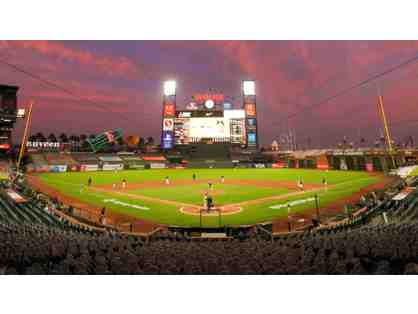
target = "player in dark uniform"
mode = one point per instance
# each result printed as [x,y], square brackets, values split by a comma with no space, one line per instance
[325,183]
[89,182]
[209,203]
[194,176]
[210,185]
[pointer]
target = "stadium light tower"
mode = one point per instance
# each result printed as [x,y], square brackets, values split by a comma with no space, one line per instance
[250,108]
[168,114]
[169,88]
[248,88]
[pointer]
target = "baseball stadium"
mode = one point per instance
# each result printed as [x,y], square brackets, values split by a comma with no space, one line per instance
[207,194]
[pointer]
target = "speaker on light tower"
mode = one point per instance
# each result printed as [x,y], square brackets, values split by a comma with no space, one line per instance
[250,108]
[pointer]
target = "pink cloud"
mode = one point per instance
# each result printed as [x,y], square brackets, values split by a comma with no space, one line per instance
[110,66]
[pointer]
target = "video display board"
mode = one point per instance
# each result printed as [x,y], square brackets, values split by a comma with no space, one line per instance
[219,126]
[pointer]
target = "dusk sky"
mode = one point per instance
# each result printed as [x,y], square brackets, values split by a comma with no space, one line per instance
[126,77]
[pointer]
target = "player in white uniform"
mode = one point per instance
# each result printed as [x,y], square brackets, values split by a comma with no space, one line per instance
[300,184]
[167,180]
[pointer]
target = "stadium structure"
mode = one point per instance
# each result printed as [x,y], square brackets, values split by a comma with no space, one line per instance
[207,198]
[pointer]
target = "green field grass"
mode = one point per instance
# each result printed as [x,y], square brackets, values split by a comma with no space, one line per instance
[223,193]
[70,183]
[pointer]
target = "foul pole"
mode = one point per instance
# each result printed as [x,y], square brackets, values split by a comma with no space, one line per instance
[386,128]
[24,138]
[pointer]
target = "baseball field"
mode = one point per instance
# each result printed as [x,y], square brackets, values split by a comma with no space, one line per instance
[244,196]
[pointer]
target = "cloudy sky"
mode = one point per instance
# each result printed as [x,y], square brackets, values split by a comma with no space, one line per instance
[124,81]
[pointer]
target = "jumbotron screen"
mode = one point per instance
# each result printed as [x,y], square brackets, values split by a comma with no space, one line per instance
[219,126]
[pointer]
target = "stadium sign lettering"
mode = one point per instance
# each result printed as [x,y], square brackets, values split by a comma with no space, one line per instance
[201,98]
[43,144]
[293,203]
[116,202]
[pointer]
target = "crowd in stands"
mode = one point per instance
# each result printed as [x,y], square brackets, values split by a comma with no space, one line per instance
[34,239]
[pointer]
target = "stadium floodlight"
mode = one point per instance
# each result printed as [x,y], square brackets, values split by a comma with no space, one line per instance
[170,88]
[21,113]
[248,88]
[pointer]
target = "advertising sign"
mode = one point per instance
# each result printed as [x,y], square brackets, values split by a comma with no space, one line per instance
[250,110]
[167,139]
[42,169]
[251,122]
[136,166]
[109,167]
[278,165]
[201,98]
[157,166]
[169,110]
[89,168]
[252,139]
[56,168]
[168,124]
[73,168]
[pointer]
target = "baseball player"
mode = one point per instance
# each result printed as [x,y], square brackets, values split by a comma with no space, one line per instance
[167,180]
[300,184]
[325,183]
[222,179]
[123,184]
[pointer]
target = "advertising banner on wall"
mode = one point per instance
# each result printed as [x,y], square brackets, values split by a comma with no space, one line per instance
[73,168]
[157,166]
[278,165]
[109,167]
[89,168]
[135,166]
[58,168]
[42,169]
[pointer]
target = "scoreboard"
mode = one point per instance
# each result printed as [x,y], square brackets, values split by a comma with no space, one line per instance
[209,118]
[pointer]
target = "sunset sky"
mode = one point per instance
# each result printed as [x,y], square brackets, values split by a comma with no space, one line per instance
[126,77]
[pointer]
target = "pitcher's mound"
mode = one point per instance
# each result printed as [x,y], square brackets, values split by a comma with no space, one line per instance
[225,210]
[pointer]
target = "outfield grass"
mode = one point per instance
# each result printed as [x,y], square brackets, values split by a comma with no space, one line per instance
[344,184]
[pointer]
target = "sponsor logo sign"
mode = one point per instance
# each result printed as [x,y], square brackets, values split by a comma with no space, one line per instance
[201,98]
[167,139]
[278,165]
[169,110]
[168,124]
[108,167]
[89,168]
[55,168]
[293,203]
[322,166]
[117,202]
[136,166]
[250,110]
[55,145]
[157,166]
